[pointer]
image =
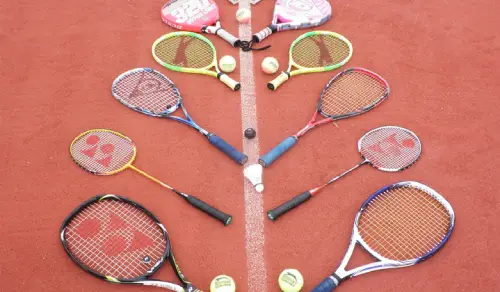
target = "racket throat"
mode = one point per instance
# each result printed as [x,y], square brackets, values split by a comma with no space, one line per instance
[305,130]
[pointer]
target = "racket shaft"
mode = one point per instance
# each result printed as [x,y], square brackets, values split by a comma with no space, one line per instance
[161,284]
[284,208]
[273,85]
[327,285]
[221,216]
[234,85]
[227,149]
[277,151]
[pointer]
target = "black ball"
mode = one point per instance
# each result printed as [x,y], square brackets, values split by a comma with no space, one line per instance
[250,133]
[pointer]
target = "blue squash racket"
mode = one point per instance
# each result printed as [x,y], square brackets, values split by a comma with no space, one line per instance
[152,93]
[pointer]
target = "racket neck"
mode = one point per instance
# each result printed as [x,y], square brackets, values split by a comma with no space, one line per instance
[346,172]
[150,177]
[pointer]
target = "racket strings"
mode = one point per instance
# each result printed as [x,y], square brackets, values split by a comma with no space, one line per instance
[404,223]
[185,51]
[390,148]
[317,51]
[352,92]
[102,151]
[122,241]
[147,90]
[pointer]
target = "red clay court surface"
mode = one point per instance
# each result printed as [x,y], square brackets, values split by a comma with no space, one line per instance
[59,58]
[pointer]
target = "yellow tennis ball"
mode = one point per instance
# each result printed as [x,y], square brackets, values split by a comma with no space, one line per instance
[291,280]
[270,65]
[227,64]
[243,15]
[222,283]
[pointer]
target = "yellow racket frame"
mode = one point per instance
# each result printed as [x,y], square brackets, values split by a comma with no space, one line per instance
[285,75]
[234,85]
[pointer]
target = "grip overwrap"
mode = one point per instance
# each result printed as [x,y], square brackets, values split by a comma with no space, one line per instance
[284,208]
[227,37]
[277,151]
[231,83]
[273,85]
[327,285]
[219,215]
[227,149]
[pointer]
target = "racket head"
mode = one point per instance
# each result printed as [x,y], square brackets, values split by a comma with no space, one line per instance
[296,14]
[390,148]
[103,151]
[147,91]
[115,239]
[424,221]
[190,15]
[185,51]
[318,51]
[352,92]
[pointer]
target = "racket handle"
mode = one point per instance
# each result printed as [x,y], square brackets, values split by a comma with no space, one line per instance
[284,208]
[234,85]
[261,35]
[227,37]
[227,149]
[219,215]
[273,85]
[327,285]
[277,151]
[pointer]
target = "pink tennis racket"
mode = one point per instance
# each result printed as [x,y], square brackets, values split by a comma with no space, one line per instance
[196,16]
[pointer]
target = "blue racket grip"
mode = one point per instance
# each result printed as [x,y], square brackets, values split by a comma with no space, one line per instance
[277,151]
[327,285]
[227,149]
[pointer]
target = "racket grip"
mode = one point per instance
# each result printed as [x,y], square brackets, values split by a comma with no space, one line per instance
[273,85]
[284,208]
[227,149]
[219,215]
[327,285]
[277,151]
[234,85]
[261,35]
[227,37]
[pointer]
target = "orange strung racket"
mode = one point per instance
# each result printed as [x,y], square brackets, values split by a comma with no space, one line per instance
[106,152]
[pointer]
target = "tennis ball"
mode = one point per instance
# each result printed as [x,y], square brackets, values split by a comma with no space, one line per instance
[290,280]
[243,15]
[270,65]
[222,283]
[227,64]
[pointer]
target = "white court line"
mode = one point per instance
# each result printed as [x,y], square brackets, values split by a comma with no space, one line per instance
[254,212]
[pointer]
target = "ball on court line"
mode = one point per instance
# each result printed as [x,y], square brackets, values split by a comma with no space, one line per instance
[222,283]
[250,133]
[270,65]
[243,15]
[291,280]
[227,64]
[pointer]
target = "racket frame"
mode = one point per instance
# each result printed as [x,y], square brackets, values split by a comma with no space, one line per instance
[215,140]
[143,279]
[285,75]
[383,263]
[224,78]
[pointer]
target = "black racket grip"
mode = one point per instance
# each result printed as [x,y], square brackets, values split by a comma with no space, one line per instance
[221,216]
[284,208]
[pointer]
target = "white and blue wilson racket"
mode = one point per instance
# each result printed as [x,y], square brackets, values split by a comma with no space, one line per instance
[400,225]
[152,93]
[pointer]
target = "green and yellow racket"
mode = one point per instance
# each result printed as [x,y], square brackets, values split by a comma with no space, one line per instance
[315,51]
[190,52]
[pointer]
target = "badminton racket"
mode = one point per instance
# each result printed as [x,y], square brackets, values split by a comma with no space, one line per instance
[399,226]
[152,93]
[315,51]
[119,241]
[106,152]
[387,148]
[190,52]
[350,93]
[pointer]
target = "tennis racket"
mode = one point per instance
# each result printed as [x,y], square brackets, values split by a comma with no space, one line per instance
[190,52]
[400,225]
[152,93]
[119,241]
[105,152]
[196,16]
[315,51]
[387,148]
[350,93]
[295,14]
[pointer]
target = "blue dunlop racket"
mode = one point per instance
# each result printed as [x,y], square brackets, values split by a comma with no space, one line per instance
[152,93]
[400,225]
